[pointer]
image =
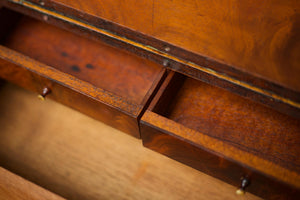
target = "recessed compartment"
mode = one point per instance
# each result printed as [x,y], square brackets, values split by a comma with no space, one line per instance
[223,134]
[76,67]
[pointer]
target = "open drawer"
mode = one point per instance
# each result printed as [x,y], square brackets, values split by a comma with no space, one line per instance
[224,135]
[104,82]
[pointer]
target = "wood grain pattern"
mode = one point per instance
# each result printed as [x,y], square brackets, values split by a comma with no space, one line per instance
[101,81]
[218,159]
[191,64]
[237,121]
[41,74]
[80,158]
[16,188]
[224,135]
[103,66]
[70,91]
[253,36]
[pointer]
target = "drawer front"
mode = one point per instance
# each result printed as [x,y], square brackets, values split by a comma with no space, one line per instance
[212,163]
[225,136]
[69,90]
[81,69]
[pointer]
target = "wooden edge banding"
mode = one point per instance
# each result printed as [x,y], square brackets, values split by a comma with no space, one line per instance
[161,90]
[151,94]
[168,89]
[82,87]
[288,97]
[13,186]
[155,86]
[220,148]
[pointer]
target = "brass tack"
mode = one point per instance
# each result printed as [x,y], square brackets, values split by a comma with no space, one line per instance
[41,97]
[240,192]
[45,92]
[45,17]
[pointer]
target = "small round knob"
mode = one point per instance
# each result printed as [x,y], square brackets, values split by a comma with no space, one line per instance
[45,92]
[244,183]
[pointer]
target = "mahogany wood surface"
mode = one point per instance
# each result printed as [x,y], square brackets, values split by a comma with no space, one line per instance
[216,158]
[80,158]
[254,140]
[200,67]
[215,164]
[208,128]
[14,187]
[237,121]
[70,91]
[103,66]
[253,36]
[101,81]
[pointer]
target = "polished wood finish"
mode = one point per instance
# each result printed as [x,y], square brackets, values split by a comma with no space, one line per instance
[241,47]
[237,121]
[224,135]
[13,187]
[260,38]
[101,81]
[172,140]
[252,86]
[81,158]
[103,66]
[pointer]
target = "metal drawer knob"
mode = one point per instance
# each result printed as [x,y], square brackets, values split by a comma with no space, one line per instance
[45,92]
[244,183]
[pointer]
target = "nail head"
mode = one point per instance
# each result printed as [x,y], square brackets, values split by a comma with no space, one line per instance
[45,17]
[166,63]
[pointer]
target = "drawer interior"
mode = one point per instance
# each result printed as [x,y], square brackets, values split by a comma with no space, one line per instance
[235,120]
[106,67]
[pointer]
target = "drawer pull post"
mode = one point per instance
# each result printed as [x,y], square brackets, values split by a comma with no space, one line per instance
[244,183]
[166,63]
[45,92]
